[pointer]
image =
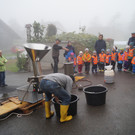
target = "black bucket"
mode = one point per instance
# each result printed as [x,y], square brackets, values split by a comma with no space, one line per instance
[95,95]
[72,107]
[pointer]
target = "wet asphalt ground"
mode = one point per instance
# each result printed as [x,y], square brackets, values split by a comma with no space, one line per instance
[116,117]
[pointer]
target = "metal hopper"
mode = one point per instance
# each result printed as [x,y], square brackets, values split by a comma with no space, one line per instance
[36,52]
[29,93]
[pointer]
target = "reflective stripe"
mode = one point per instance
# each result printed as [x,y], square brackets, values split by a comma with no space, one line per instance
[113,56]
[125,55]
[102,57]
[95,60]
[107,58]
[74,60]
[86,57]
[130,54]
[79,60]
[133,60]
[120,57]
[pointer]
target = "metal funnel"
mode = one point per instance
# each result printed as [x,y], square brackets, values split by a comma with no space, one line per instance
[36,51]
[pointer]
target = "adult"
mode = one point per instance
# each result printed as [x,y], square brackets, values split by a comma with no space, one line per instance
[132,39]
[100,44]
[70,48]
[60,85]
[3,61]
[55,54]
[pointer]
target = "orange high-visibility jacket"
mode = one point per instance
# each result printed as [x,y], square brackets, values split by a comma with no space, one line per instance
[125,56]
[120,57]
[131,52]
[95,59]
[102,57]
[70,59]
[79,60]
[86,57]
[133,60]
[113,56]
[107,58]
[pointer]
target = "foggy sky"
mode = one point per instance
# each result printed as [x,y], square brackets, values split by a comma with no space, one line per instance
[70,13]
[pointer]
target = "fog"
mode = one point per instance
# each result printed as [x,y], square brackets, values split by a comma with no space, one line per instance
[113,18]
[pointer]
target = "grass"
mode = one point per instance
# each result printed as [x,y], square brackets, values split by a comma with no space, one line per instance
[11,65]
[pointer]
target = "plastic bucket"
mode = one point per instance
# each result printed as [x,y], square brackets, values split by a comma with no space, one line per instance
[95,95]
[72,107]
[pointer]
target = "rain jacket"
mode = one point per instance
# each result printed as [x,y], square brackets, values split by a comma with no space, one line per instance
[100,44]
[3,61]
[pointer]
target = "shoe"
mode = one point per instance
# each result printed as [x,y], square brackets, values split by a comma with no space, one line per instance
[3,85]
[102,70]
[48,111]
[99,70]
[63,113]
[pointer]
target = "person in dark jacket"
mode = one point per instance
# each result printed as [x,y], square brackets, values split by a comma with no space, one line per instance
[71,50]
[132,39]
[100,44]
[55,54]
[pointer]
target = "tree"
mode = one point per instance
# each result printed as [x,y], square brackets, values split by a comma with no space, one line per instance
[51,30]
[38,32]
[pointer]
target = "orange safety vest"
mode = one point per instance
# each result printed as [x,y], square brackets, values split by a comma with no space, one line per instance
[133,60]
[120,57]
[102,57]
[113,56]
[95,60]
[86,57]
[130,54]
[71,59]
[107,58]
[79,60]
[125,56]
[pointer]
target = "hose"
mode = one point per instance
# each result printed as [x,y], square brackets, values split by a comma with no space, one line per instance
[18,115]
[86,80]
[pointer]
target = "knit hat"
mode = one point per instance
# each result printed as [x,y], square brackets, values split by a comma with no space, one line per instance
[121,49]
[108,50]
[72,53]
[80,52]
[102,50]
[127,46]
[86,49]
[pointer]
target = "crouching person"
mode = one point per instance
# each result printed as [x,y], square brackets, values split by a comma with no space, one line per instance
[60,85]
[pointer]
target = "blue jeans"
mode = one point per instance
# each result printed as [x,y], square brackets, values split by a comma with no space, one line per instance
[50,87]
[2,78]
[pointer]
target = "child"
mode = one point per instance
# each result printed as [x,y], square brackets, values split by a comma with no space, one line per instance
[130,55]
[108,57]
[87,58]
[80,62]
[72,58]
[126,58]
[102,56]
[94,62]
[114,56]
[133,65]
[120,60]
[3,61]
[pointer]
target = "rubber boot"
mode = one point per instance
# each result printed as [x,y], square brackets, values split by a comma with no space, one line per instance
[48,111]
[63,113]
